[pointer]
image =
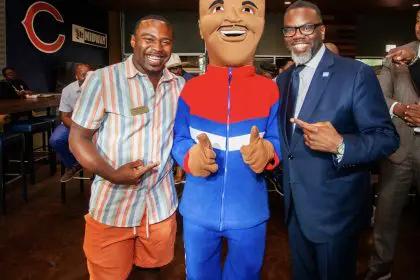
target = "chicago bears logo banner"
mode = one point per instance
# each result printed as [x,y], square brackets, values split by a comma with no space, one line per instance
[28,23]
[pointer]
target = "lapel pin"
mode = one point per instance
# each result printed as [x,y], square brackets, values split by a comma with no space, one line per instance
[325,74]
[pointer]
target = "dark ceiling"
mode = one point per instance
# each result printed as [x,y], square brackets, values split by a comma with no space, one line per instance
[327,6]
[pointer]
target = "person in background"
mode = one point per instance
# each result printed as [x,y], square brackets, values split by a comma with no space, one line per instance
[269,70]
[399,79]
[334,124]
[4,119]
[409,55]
[130,107]
[174,65]
[59,140]
[12,87]
[286,66]
[332,48]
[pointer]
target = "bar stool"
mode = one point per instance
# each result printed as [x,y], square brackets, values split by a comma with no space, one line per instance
[413,195]
[55,121]
[274,180]
[29,128]
[10,141]
[81,183]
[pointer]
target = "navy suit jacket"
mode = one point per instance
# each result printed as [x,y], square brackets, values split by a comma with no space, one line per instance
[328,197]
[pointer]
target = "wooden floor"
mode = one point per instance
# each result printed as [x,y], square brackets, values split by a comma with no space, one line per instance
[43,239]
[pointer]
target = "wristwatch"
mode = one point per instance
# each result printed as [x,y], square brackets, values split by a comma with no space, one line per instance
[340,148]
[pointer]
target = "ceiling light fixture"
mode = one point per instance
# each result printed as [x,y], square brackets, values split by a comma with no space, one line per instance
[416,5]
[287,3]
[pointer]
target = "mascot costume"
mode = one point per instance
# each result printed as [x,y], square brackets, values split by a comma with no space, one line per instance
[226,135]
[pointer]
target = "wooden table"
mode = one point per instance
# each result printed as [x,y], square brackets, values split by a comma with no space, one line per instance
[10,106]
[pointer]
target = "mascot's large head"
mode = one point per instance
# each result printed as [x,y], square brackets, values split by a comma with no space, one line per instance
[231,30]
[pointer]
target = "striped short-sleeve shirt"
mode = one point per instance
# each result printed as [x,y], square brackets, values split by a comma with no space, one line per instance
[132,121]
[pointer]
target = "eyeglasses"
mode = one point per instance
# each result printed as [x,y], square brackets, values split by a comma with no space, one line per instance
[306,29]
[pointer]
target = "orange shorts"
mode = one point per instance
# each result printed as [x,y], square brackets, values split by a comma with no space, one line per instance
[112,251]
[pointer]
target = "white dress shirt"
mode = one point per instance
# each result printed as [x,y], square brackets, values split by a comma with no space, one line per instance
[305,79]
[69,97]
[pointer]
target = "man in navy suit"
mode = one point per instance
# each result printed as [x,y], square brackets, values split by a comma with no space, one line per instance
[334,123]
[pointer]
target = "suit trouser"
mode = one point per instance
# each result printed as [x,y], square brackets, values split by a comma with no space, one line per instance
[335,260]
[59,141]
[203,252]
[395,181]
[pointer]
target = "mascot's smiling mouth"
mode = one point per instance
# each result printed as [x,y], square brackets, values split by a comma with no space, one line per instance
[233,31]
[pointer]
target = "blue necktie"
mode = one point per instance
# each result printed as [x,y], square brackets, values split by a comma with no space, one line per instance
[291,101]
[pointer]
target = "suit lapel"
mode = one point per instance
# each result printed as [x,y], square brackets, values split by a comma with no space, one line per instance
[284,104]
[322,75]
[413,70]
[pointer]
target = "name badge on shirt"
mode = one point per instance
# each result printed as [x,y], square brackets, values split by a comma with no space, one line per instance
[139,110]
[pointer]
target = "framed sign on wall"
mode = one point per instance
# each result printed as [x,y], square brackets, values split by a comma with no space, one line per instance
[88,36]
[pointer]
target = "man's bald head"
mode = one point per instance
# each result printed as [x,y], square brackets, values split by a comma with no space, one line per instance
[80,72]
[333,48]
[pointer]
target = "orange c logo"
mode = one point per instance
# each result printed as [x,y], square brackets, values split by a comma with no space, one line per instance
[28,23]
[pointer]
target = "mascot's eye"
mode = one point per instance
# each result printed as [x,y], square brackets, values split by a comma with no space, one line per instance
[218,9]
[248,10]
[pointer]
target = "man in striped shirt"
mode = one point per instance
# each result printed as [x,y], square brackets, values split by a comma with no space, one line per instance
[130,107]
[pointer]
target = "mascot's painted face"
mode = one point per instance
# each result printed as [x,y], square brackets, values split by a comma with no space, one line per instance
[231,30]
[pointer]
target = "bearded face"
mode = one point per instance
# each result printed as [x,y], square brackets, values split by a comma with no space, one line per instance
[303,46]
